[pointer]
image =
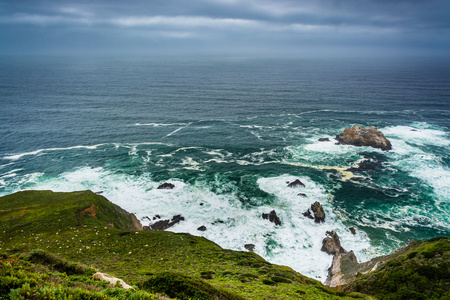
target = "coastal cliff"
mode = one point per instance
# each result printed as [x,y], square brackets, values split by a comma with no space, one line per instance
[82,233]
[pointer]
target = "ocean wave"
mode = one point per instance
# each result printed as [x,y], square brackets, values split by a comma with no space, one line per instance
[44,151]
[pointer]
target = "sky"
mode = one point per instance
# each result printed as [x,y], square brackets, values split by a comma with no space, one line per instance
[278,28]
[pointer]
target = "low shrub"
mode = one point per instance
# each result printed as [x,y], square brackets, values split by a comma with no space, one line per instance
[182,287]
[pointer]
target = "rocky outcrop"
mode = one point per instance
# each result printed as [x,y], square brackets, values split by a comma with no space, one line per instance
[296,183]
[338,272]
[113,281]
[136,223]
[319,213]
[166,186]
[331,244]
[359,136]
[272,217]
[342,260]
[165,224]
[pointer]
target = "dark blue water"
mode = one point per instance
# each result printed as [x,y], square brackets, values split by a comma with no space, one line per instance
[229,133]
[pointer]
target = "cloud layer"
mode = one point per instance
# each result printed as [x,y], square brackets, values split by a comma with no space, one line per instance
[247,27]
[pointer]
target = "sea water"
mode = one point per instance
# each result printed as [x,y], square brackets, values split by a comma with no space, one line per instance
[230,133]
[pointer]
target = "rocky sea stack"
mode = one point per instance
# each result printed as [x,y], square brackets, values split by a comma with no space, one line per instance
[360,136]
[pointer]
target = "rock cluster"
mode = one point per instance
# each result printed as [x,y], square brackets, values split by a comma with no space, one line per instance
[272,217]
[359,136]
[164,224]
[319,213]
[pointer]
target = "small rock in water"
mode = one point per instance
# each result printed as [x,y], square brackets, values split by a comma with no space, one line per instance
[324,140]
[249,247]
[166,186]
[296,183]
[352,230]
[301,194]
[272,217]
[202,228]
[308,214]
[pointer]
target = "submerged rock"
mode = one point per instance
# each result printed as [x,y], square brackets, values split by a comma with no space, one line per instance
[324,140]
[296,183]
[166,186]
[319,213]
[272,217]
[359,136]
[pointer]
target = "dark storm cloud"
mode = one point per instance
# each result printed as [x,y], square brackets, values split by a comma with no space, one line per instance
[224,26]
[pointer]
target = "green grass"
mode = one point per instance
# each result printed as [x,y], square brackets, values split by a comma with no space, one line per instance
[41,275]
[75,244]
[423,272]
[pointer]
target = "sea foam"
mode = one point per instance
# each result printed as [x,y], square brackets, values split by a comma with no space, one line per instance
[229,223]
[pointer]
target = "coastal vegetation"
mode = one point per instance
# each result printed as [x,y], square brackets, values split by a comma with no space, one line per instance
[52,243]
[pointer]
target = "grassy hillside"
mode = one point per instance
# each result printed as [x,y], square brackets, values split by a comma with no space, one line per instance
[420,270]
[86,230]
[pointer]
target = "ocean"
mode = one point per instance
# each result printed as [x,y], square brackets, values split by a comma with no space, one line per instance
[230,133]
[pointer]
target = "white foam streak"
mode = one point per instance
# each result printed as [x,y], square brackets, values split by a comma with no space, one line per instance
[162,124]
[175,131]
[10,174]
[36,152]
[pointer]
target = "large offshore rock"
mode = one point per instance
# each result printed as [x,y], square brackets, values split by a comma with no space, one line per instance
[360,136]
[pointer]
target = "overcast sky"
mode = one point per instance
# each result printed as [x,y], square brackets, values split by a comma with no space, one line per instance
[226,27]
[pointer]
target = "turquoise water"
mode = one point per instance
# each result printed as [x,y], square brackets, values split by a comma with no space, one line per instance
[230,133]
